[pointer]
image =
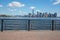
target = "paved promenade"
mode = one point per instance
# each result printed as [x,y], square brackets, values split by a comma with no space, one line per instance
[31,35]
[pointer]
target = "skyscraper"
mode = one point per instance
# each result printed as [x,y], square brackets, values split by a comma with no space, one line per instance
[38,14]
[55,14]
[32,8]
[29,14]
[33,11]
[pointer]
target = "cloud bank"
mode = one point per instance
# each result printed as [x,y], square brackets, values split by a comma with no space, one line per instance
[15,4]
[56,2]
[1,5]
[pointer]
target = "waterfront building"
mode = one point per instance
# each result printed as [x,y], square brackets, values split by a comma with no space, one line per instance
[38,14]
[29,14]
[45,14]
[55,14]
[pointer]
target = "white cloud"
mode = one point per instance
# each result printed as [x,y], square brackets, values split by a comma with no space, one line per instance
[32,7]
[56,2]
[15,4]
[1,5]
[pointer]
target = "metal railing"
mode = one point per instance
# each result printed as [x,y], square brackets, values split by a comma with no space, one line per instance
[52,25]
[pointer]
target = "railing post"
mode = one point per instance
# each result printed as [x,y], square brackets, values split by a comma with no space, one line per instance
[2,25]
[28,25]
[52,25]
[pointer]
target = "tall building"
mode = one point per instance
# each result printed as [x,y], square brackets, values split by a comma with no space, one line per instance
[29,14]
[38,14]
[49,15]
[45,14]
[55,14]
[33,13]
[41,14]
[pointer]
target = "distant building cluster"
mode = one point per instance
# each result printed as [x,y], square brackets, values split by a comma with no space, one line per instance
[39,14]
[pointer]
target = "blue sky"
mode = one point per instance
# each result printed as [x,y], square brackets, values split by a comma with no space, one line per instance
[22,7]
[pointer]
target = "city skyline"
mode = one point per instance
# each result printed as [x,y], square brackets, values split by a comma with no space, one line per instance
[23,7]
